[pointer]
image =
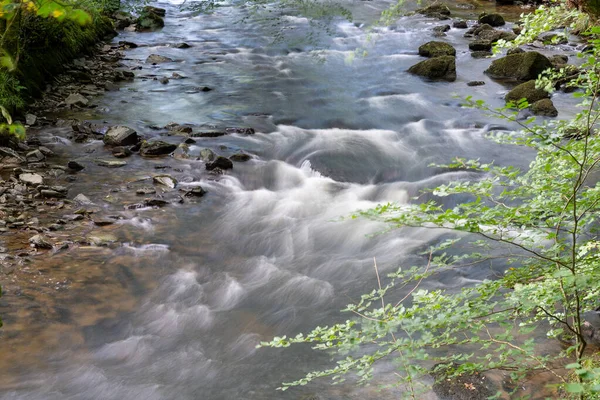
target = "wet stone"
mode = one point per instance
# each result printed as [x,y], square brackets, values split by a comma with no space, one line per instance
[82,199]
[476,83]
[198,191]
[220,163]
[121,152]
[40,242]
[75,165]
[240,157]
[76,99]
[157,148]
[35,156]
[207,155]
[120,136]
[165,180]
[157,59]
[145,191]
[110,163]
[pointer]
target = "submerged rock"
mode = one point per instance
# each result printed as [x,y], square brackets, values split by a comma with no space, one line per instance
[526,91]
[207,155]
[120,136]
[157,148]
[438,68]
[520,66]
[150,20]
[240,157]
[544,108]
[110,163]
[436,49]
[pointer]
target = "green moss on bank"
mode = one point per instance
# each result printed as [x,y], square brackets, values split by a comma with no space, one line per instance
[46,47]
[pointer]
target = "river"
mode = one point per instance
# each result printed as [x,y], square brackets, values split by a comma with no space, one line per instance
[175,310]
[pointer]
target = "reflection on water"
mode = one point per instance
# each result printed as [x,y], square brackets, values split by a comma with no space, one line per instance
[174,311]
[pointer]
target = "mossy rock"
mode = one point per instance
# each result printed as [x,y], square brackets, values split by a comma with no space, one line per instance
[544,108]
[527,91]
[436,49]
[520,66]
[438,68]
[436,10]
[491,19]
[150,20]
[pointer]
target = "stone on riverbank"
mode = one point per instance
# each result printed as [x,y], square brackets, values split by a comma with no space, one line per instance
[438,68]
[35,156]
[491,19]
[436,49]
[165,180]
[120,136]
[157,148]
[520,66]
[544,108]
[76,99]
[526,91]
[31,179]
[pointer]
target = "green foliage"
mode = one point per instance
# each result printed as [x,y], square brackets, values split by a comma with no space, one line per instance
[537,232]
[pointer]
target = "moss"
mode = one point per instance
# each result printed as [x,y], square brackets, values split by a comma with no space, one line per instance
[436,49]
[443,68]
[520,66]
[47,45]
[527,91]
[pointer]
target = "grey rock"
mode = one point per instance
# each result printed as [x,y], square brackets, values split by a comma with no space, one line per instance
[31,179]
[157,59]
[436,49]
[35,156]
[40,242]
[82,199]
[476,83]
[157,148]
[110,163]
[492,19]
[120,136]
[460,24]
[165,180]
[121,152]
[207,155]
[75,166]
[197,191]
[76,99]
[30,119]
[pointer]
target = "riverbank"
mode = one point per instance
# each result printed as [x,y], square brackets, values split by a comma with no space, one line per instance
[160,248]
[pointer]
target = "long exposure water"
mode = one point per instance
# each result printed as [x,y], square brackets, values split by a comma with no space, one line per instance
[176,312]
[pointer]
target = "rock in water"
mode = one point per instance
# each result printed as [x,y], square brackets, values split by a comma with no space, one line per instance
[544,108]
[82,199]
[526,91]
[207,155]
[436,49]
[491,19]
[35,156]
[439,11]
[438,68]
[40,242]
[520,66]
[157,148]
[157,59]
[165,180]
[240,157]
[198,191]
[31,179]
[120,136]
[110,163]
[75,166]
[221,163]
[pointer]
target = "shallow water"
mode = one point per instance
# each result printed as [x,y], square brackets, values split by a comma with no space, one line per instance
[176,311]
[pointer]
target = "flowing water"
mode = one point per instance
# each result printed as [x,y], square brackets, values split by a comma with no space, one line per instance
[177,310]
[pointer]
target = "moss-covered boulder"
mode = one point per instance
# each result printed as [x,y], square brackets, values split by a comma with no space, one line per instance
[436,49]
[526,91]
[438,68]
[491,19]
[436,10]
[544,108]
[151,19]
[520,66]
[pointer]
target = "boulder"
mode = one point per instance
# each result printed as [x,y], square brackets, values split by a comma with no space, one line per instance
[493,35]
[31,179]
[437,10]
[157,59]
[544,108]
[521,66]
[480,45]
[436,49]
[440,30]
[491,19]
[120,136]
[438,68]
[526,91]
[481,54]
[460,24]
[221,163]
[151,19]
[207,155]
[157,148]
